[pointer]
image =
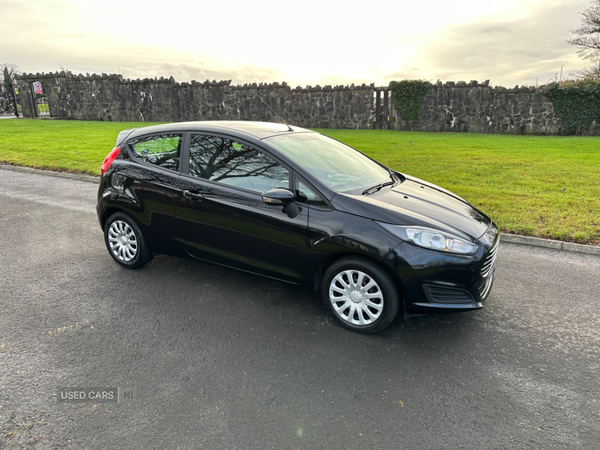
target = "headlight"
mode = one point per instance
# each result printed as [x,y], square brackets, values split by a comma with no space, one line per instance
[432,239]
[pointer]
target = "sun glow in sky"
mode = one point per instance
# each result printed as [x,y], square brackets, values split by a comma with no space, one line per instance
[310,42]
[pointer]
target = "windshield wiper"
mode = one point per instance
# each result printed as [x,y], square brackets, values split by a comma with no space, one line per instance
[377,187]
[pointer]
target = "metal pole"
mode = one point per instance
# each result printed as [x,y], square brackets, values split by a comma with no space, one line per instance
[561,67]
[30,107]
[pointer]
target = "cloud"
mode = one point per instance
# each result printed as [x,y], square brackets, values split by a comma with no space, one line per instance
[406,72]
[337,80]
[514,45]
[88,53]
[508,52]
[237,72]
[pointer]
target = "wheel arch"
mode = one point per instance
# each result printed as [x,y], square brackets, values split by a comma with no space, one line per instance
[330,259]
[109,212]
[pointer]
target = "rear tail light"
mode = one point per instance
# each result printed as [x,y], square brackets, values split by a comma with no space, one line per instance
[109,159]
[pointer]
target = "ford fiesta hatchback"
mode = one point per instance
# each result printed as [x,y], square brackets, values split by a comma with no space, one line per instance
[292,204]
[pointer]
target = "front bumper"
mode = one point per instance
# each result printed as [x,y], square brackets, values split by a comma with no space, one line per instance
[437,282]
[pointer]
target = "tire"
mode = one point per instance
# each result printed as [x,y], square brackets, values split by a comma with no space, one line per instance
[125,242]
[360,295]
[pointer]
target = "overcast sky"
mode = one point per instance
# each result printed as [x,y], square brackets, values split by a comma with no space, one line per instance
[310,42]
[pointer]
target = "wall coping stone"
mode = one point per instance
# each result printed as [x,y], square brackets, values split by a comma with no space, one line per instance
[273,85]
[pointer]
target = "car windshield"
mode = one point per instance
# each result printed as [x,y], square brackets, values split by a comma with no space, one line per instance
[334,164]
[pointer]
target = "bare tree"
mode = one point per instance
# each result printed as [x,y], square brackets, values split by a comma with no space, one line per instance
[587,39]
[9,72]
[592,72]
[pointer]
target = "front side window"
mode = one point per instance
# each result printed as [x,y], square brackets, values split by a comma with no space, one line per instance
[162,150]
[229,162]
[306,194]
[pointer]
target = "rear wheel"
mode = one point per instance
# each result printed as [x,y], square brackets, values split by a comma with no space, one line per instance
[125,241]
[360,294]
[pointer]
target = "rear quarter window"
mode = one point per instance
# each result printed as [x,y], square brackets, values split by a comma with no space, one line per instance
[163,150]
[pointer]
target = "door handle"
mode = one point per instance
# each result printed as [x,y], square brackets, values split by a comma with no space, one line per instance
[193,195]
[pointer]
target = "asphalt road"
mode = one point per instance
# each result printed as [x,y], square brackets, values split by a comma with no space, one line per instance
[219,359]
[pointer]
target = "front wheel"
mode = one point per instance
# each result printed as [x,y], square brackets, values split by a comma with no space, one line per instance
[359,293]
[125,242]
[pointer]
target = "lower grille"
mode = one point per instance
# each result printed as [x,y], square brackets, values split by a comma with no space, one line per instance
[442,294]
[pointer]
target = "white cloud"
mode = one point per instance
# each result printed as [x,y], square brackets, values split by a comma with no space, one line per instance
[508,50]
[201,72]
[314,42]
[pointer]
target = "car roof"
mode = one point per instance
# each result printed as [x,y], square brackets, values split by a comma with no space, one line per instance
[256,130]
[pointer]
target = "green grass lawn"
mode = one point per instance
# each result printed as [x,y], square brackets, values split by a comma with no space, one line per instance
[65,145]
[532,185]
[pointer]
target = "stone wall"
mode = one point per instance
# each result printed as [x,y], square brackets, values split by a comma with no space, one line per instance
[462,107]
[110,97]
[479,108]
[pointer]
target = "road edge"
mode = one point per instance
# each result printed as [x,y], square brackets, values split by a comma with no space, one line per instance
[504,237]
[550,243]
[51,173]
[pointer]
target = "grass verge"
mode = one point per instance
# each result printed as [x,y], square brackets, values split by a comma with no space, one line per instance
[541,186]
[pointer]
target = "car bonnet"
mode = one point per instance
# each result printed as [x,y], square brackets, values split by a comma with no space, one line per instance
[418,203]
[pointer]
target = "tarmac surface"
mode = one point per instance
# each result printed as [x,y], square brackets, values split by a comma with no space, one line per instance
[207,357]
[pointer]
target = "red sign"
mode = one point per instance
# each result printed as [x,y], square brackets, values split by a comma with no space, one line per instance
[37,87]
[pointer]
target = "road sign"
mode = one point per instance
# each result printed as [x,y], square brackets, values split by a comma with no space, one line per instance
[37,87]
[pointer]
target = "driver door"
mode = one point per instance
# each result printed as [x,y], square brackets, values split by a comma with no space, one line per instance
[222,218]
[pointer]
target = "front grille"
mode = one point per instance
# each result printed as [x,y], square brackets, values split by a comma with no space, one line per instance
[490,260]
[441,294]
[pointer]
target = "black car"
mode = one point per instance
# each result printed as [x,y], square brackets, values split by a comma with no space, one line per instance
[292,204]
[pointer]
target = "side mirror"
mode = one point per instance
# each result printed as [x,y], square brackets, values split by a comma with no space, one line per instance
[278,197]
[282,197]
